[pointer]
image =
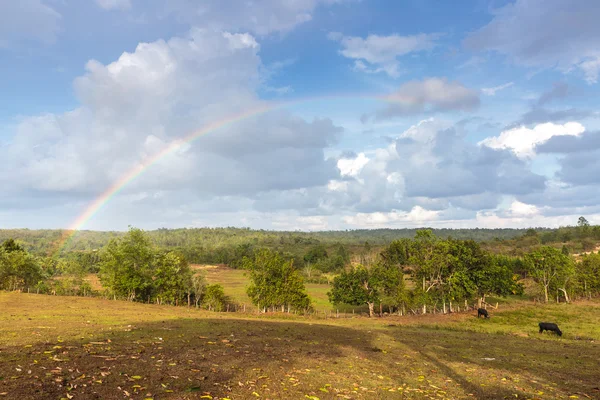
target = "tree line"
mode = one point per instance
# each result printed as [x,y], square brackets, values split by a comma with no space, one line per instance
[407,275]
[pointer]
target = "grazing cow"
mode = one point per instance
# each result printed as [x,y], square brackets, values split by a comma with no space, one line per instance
[482,311]
[549,326]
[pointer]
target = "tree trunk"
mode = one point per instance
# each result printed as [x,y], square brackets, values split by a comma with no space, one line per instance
[380,309]
[424,308]
[546,294]
[371,309]
[189,299]
[444,307]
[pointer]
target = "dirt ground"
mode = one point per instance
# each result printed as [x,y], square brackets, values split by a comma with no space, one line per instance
[80,348]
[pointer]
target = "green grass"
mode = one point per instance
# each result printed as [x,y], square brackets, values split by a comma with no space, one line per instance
[55,347]
[236,281]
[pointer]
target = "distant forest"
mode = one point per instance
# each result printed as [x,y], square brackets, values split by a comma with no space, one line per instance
[46,241]
[224,245]
[449,264]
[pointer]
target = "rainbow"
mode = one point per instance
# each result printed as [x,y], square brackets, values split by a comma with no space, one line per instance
[140,168]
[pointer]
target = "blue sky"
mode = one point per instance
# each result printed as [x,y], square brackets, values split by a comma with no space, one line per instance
[414,113]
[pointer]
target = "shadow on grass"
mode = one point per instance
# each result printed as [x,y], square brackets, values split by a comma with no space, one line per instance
[179,359]
[558,365]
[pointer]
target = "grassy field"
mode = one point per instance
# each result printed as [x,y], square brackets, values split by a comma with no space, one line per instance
[235,281]
[55,347]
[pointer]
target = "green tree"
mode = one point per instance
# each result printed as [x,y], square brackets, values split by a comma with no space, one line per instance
[397,252]
[588,274]
[582,222]
[172,278]
[19,270]
[10,245]
[343,253]
[198,286]
[214,298]
[358,286]
[550,268]
[275,282]
[495,276]
[127,266]
[316,254]
[431,260]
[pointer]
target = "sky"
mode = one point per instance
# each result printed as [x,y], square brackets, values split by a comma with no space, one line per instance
[299,114]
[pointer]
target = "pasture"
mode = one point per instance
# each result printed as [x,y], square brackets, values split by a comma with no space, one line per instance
[55,347]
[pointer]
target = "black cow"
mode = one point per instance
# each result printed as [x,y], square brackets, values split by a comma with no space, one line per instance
[549,326]
[482,311]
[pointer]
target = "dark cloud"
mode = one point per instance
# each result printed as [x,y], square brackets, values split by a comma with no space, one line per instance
[540,115]
[581,168]
[564,196]
[560,90]
[588,141]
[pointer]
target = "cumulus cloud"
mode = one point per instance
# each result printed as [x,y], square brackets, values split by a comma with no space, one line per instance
[492,91]
[565,36]
[429,95]
[417,215]
[376,53]
[352,166]
[429,170]
[135,107]
[523,141]
[28,20]
[114,4]
[522,210]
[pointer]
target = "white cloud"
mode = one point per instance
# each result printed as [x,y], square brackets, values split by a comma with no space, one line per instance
[522,141]
[134,107]
[28,19]
[417,215]
[564,35]
[337,186]
[492,91]
[352,166]
[522,210]
[591,69]
[114,4]
[382,52]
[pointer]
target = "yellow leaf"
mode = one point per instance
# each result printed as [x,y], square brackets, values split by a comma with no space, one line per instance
[136,377]
[256,394]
